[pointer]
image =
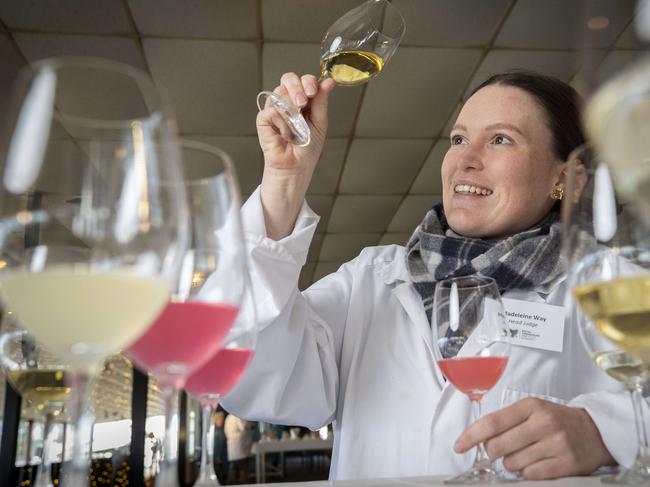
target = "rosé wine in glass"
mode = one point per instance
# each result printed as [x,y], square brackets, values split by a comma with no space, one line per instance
[473,376]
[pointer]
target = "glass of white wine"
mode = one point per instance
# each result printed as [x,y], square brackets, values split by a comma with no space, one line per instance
[605,247]
[354,49]
[83,155]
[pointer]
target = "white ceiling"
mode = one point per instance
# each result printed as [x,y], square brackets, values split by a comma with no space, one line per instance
[380,170]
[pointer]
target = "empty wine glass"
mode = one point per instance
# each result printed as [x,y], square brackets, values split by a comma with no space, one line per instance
[208,292]
[609,273]
[470,345]
[354,49]
[83,154]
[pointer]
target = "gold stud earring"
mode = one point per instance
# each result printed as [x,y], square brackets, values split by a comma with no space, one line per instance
[558,192]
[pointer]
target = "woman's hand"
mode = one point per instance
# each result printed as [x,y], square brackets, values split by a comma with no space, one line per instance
[288,168]
[539,440]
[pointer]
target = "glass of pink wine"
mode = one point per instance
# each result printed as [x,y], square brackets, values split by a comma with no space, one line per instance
[470,344]
[218,376]
[208,293]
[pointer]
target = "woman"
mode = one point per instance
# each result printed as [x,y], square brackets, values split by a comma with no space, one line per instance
[355,348]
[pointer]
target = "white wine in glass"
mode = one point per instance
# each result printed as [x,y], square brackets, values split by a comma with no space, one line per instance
[355,48]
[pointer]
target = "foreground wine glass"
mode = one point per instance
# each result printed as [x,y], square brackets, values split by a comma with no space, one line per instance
[609,272]
[470,346]
[208,293]
[354,49]
[218,376]
[85,148]
[40,378]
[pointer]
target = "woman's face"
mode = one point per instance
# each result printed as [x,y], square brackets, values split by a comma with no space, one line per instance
[499,172]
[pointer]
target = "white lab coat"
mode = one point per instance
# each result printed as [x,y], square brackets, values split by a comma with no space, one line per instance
[355,349]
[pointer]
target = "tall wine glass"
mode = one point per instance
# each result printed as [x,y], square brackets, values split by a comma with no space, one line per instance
[208,293]
[84,150]
[218,376]
[470,344]
[354,49]
[608,259]
[40,378]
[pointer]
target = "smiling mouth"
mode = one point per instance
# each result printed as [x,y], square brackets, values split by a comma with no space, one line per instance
[469,189]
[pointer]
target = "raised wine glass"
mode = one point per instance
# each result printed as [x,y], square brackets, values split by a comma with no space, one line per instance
[354,49]
[208,293]
[606,250]
[470,344]
[83,153]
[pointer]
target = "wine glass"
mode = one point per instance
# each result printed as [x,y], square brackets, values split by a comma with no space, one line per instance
[218,376]
[83,153]
[470,345]
[208,293]
[354,49]
[40,379]
[609,273]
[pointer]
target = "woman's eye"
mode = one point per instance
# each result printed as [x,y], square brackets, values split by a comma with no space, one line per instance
[456,140]
[502,139]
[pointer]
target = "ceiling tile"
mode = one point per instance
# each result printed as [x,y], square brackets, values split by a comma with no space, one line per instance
[301,20]
[428,180]
[394,238]
[41,46]
[338,247]
[212,84]
[81,16]
[416,92]
[382,166]
[246,157]
[630,38]
[442,23]
[560,64]
[326,177]
[10,64]
[322,206]
[558,24]
[325,268]
[451,121]
[306,273]
[411,212]
[303,59]
[314,247]
[208,19]
[362,214]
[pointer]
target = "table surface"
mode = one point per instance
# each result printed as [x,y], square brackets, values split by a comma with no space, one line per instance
[424,481]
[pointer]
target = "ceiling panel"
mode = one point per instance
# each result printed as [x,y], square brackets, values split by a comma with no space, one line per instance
[411,212]
[394,238]
[40,46]
[322,206]
[614,63]
[558,24]
[459,23]
[279,58]
[415,93]
[79,16]
[382,166]
[10,64]
[341,247]
[325,268]
[328,171]
[363,214]
[314,247]
[450,122]
[428,179]
[199,75]
[208,19]
[306,274]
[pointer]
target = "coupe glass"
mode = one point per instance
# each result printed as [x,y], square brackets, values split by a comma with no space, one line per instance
[354,49]
[608,257]
[208,293]
[470,344]
[84,151]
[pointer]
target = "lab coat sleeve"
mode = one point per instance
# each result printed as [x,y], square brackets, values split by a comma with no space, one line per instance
[293,377]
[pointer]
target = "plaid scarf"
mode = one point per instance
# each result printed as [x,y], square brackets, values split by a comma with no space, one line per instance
[523,261]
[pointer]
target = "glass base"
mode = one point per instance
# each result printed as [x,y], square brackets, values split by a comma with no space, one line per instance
[290,114]
[637,475]
[481,475]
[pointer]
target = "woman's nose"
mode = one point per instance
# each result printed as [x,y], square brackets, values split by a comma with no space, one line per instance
[471,158]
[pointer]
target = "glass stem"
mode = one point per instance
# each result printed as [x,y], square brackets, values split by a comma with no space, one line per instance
[168,475]
[481,460]
[207,474]
[79,467]
[44,474]
[643,455]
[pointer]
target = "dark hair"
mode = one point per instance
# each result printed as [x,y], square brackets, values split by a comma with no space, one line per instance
[559,100]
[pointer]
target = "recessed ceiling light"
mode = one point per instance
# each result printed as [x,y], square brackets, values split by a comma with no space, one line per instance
[598,23]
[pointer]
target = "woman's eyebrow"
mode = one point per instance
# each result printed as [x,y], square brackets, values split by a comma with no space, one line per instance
[508,126]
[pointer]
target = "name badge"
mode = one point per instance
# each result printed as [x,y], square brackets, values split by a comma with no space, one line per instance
[535,325]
